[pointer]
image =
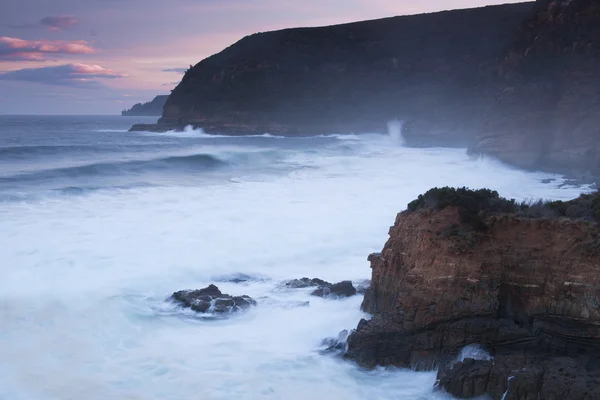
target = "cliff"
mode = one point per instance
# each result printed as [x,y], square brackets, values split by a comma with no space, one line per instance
[518,82]
[543,109]
[150,109]
[462,268]
[354,77]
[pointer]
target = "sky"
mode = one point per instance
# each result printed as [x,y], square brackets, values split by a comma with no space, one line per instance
[102,56]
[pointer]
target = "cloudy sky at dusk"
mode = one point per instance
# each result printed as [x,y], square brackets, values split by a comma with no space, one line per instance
[100,56]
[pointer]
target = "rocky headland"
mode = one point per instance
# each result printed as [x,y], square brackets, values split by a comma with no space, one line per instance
[520,283]
[148,109]
[516,81]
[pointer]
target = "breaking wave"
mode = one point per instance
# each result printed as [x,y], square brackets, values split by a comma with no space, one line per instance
[194,162]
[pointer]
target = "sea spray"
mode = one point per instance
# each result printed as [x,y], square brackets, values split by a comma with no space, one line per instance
[395,132]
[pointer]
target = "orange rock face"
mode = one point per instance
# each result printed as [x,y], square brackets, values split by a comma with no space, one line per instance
[520,287]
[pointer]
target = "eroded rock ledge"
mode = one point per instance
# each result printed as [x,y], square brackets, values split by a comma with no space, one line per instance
[463,267]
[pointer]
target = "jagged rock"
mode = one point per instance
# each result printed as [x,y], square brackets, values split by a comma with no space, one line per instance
[210,299]
[469,268]
[340,289]
[305,283]
[324,289]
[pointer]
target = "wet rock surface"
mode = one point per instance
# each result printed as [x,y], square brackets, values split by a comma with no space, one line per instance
[522,376]
[212,300]
[336,290]
[305,283]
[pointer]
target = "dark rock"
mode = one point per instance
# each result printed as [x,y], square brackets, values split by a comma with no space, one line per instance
[466,379]
[210,299]
[340,289]
[306,282]
[521,377]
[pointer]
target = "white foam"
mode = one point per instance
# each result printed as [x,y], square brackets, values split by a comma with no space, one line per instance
[475,352]
[195,133]
[84,279]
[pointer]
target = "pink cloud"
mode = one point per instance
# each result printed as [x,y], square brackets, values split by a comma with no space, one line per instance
[94,70]
[59,23]
[14,49]
[74,75]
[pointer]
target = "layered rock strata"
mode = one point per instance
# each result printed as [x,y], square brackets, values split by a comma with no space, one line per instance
[464,268]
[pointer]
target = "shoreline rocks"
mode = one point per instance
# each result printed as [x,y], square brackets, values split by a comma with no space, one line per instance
[212,300]
[324,289]
[468,267]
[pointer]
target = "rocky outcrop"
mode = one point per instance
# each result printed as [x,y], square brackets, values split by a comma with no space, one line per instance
[149,109]
[463,267]
[211,300]
[336,290]
[323,288]
[305,283]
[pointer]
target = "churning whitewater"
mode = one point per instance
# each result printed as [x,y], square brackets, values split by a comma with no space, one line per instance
[99,226]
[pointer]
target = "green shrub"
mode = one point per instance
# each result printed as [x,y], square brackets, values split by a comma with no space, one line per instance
[472,204]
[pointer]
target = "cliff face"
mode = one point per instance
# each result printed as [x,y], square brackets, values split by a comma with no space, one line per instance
[150,109]
[526,289]
[543,111]
[352,78]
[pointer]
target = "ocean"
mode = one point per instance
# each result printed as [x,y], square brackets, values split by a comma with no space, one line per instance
[98,226]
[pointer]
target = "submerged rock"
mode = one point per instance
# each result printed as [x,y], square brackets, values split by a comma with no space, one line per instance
[239,278]
[211,300]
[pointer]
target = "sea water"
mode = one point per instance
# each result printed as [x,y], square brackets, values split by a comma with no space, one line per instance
[98,226]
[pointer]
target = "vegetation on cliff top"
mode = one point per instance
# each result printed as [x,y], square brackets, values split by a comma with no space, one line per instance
[473,205]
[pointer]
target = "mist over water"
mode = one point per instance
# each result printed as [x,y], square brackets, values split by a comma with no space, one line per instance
[88,259]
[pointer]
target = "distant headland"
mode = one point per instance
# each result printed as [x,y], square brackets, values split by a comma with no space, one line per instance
[516,81]
[149,109]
